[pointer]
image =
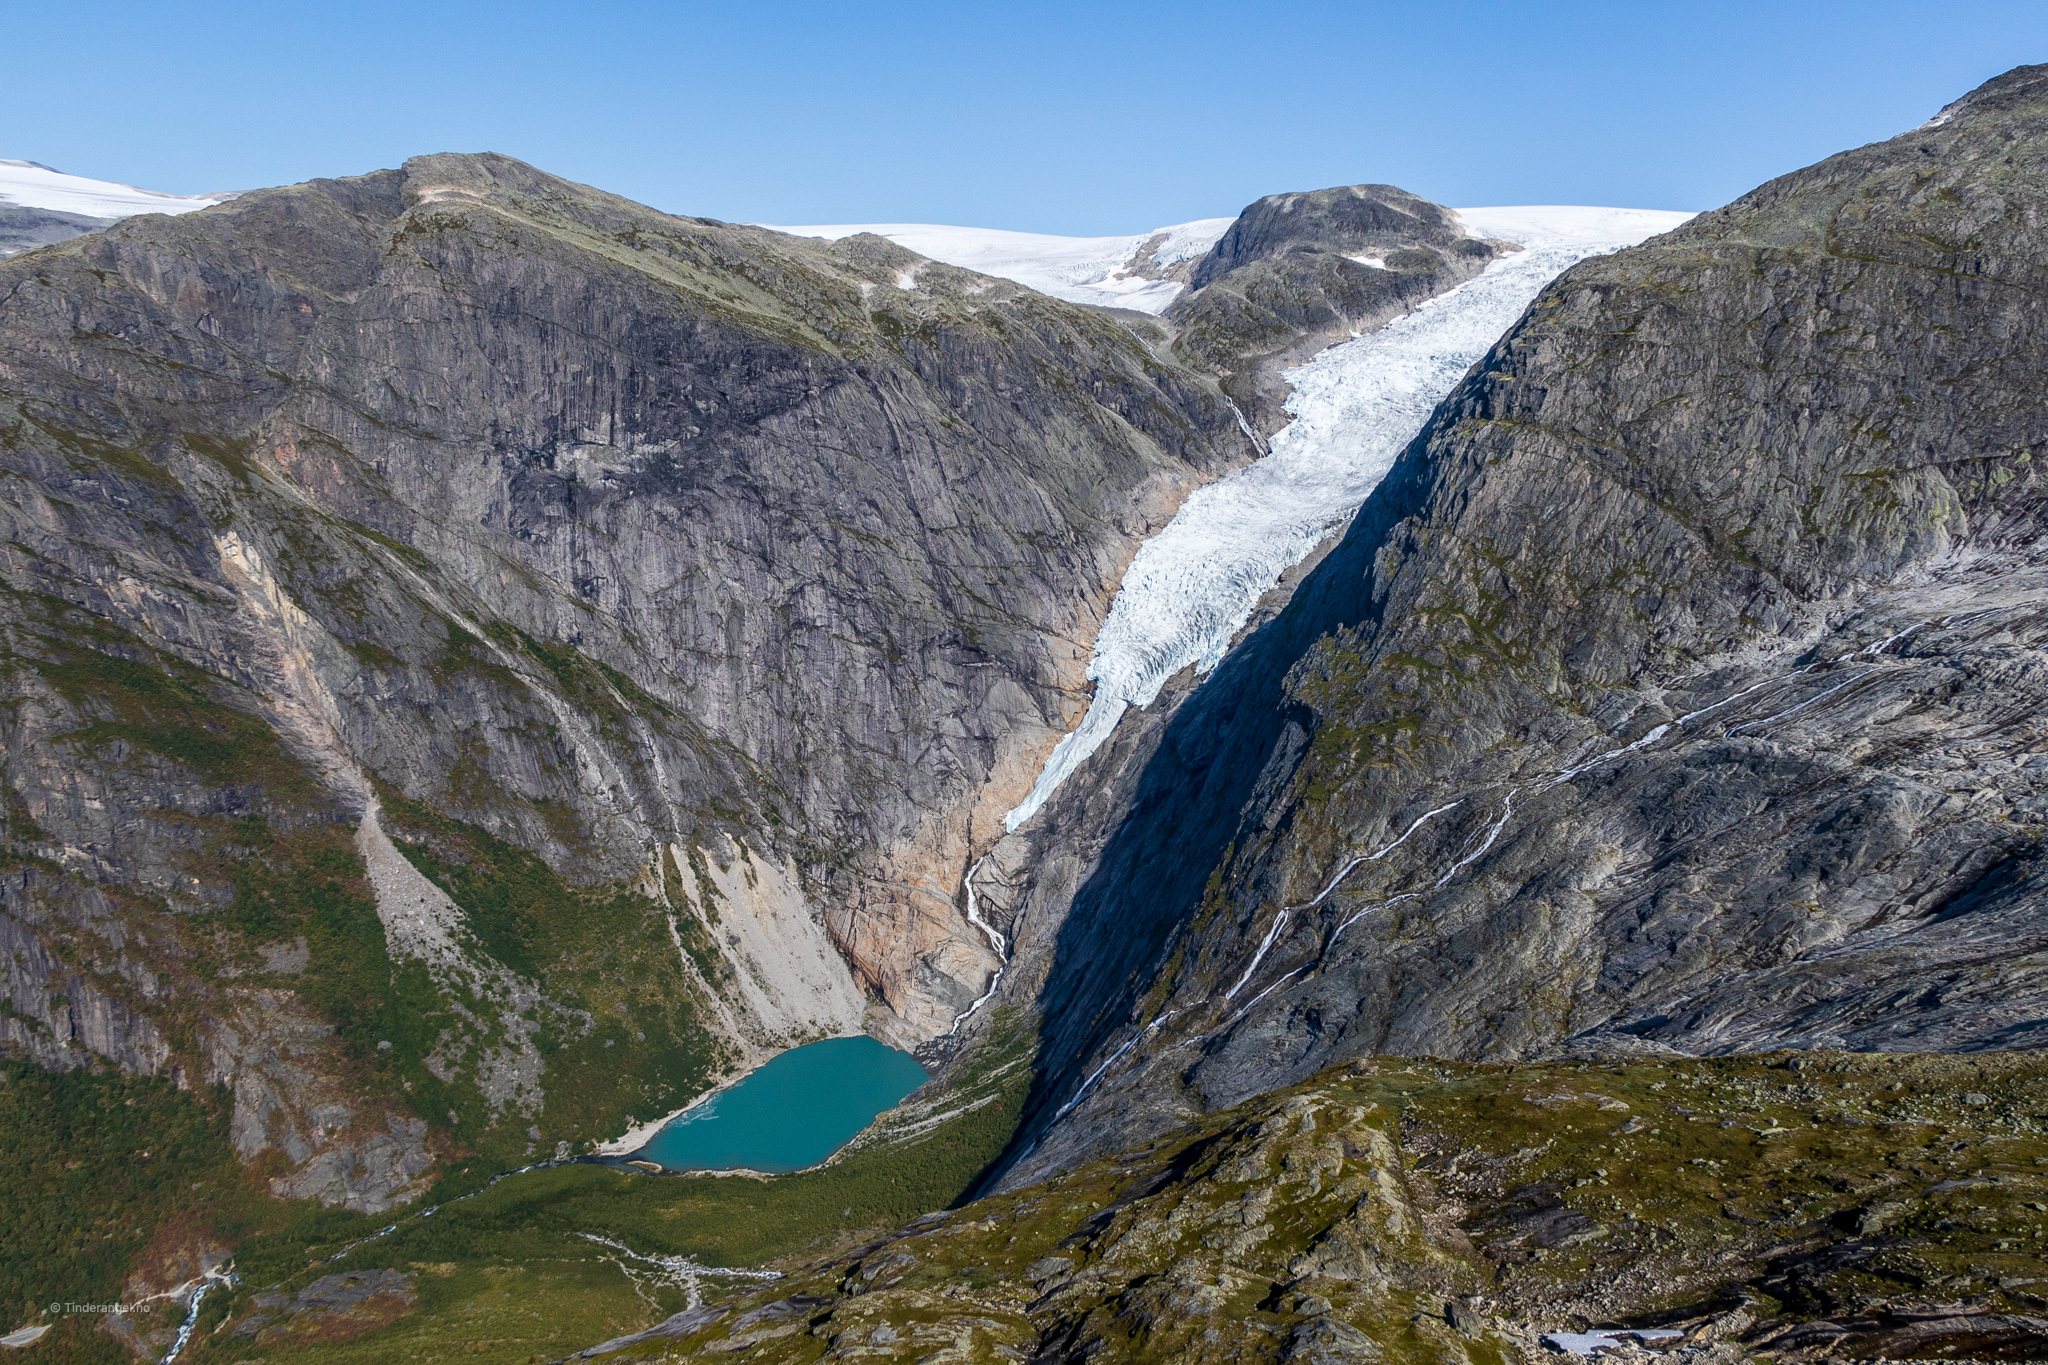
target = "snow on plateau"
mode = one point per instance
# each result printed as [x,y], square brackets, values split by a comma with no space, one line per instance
[33,185]
[1097,270]
[1355,406]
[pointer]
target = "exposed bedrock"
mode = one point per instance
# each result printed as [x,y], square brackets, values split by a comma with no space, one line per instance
[1680,689]
[22,227]
[486,659]
[1297,272]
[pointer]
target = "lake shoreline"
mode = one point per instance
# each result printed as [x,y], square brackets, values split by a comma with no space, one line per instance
[792,1112]
[640,1134]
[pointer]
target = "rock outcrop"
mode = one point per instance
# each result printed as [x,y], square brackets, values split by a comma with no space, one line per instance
[23,227]
[1297,272]
[1393,1212]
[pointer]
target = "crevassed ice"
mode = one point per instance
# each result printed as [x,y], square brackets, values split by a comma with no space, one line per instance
[1355,406]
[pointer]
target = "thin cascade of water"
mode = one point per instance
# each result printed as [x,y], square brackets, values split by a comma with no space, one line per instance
[995,941]
[680,1271]
[222,1275]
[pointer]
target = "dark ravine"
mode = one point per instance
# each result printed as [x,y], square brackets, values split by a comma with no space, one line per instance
[1712,599]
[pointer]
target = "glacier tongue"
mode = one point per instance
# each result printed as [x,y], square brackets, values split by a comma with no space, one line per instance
[1356,406]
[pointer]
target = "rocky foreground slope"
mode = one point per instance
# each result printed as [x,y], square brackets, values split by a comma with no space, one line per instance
[1825,1206]
[1679,692]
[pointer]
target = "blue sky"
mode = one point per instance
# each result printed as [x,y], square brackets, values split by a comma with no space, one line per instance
[1054,117]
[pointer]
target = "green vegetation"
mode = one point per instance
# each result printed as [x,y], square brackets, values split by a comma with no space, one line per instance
[622,1039]
[167,707]
[1434,1212]
[90,1163]
[508,1275]
[388,1015]
[592,684]
[503,1275]
[100,1173]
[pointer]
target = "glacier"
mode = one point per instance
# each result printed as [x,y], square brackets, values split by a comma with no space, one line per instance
[1355,407]
[34,185]
[1104,271]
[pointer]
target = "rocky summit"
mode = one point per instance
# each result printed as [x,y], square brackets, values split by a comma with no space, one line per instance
[488,664]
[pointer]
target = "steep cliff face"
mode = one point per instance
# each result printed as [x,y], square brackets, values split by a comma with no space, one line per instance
[1679,690]
[484,654]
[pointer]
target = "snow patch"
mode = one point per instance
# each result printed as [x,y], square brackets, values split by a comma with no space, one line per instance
[1096,270]
[1556,225]
[34,185]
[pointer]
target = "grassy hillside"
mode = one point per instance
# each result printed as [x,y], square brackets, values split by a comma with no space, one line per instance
[499,1271]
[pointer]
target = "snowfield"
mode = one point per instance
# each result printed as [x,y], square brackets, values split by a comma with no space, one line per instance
[1356,406]
[33,185]
[1078,269]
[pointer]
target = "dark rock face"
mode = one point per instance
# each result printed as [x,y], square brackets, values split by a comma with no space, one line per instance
[331,1308]
[745,579]
[1348,220]
[1297,272]
[23,228]
[1679,690]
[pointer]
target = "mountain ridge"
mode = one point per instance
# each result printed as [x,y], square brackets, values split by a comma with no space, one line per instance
[411,564]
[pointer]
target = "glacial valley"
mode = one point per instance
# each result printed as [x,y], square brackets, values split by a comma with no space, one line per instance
[1420,784]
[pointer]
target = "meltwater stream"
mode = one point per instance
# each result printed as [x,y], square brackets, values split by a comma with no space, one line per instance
[1356,406]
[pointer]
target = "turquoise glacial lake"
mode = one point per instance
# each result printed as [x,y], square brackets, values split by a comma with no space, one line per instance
[795,1111]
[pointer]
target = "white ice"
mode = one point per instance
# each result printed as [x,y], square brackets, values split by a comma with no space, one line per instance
[1355,406]
[36,186]
[1077,269]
